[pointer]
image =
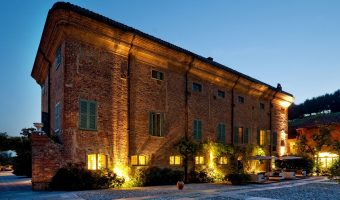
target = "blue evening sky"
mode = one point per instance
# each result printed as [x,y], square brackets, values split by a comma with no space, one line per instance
[295,43]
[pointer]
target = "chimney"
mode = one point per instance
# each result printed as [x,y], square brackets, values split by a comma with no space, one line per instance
[210,58]
[279,87]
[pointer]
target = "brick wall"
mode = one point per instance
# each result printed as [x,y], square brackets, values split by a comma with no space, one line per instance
[47,158]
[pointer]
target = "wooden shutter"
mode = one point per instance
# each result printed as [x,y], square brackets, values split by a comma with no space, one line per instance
[268,137]
[92,115]
[151,114]
[235,135]
[246,136]
[83,114]
[274,139]
[161,131]
[199,123]
[258,137]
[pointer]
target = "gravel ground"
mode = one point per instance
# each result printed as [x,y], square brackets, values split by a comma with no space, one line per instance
[313,188]
[323,190]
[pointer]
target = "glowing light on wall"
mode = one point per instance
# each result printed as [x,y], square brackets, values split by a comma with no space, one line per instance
[122,171]
[283,143]
[285,104]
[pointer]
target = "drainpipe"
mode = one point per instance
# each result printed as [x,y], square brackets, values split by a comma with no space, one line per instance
[187,99]
[232,109]
[270,121]
[128,93]
[48,91]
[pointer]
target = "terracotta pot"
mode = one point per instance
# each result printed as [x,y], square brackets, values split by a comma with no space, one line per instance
[180,185]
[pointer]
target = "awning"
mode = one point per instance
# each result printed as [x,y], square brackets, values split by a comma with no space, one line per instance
[263,158]
[290,158]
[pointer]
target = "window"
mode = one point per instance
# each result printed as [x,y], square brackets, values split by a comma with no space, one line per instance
[175,160]
[197,129]
[240,99]
[157,75]
[196,87]
[221,133]
[156,124]
[58,58]
[139,160]
[241,135]
[262,106]
[199,160]
[274,141]
[223,160]
[96,161]
[88,115]
[57,115]
[263,137]
[220,94]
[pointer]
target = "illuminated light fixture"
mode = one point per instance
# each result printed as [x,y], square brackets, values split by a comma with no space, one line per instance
[285,104]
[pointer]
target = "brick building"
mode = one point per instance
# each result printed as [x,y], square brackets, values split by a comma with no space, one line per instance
[116,96]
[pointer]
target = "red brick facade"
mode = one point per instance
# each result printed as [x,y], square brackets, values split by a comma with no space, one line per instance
[104,63]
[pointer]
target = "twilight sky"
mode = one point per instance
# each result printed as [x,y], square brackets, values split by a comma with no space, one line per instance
[295,43]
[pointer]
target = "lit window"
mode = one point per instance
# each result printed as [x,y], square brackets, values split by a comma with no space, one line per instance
[240,99]
[175,160]
[240,135]
[156,124]
[220,94]
[96,161]
[262,139]
[139,160]
[196,87]
[223,160]
[199,160]
[157,75]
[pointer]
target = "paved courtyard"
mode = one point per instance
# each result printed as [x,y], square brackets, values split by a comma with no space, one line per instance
[13,187]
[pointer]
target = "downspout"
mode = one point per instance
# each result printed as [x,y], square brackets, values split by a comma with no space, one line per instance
[270,122]
[187,99]
[232,109]
[48,91]
[128,94]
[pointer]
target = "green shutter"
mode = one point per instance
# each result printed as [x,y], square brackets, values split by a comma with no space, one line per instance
[162,125]
[92,106]
[83,114]
[151,114]
[235,135]
[258,137]
[246,136]
[199,129]
[274,139]
[223,133]
[268,137]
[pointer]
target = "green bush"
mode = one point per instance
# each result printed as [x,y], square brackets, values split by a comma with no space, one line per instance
[238,178]
[334,171]
[74,177]
[156,176]
[296,164]
[200,177]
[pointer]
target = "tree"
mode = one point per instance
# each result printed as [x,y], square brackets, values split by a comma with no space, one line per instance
[187,149]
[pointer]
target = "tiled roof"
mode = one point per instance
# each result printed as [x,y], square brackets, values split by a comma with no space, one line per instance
[316,120]
[110,22]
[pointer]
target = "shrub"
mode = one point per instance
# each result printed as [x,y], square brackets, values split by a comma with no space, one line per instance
[238,178]
[300,164]
[334,171]
[200,177]
[74,177]
[155,176]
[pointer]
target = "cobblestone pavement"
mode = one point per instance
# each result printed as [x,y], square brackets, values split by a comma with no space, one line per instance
[13,187]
